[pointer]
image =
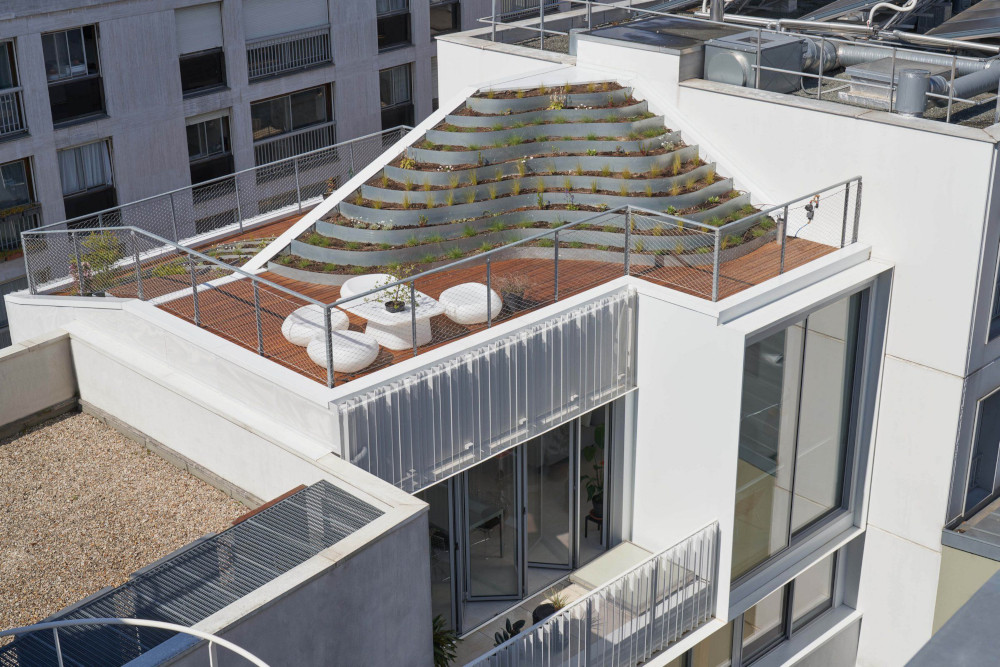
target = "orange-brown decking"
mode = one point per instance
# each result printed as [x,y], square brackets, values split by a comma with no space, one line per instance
[229,311]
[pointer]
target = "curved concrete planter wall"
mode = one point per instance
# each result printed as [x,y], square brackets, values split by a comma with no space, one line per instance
[529,184]
[491,137]
[638,164]
[547,115]
[489,155]
[500,106]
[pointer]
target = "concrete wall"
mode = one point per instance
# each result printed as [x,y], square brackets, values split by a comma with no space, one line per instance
[37,381]
[962,574]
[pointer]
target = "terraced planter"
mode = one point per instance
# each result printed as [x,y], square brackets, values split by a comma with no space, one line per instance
[547,115]
[529,184]
[637,164]
[514,105]
[491,137]
[488,155]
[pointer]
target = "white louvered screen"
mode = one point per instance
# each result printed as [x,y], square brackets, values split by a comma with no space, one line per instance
[265,18]
[199,28]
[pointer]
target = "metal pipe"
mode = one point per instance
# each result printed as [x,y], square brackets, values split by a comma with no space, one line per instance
[930,40]
[718,10]
[904,9]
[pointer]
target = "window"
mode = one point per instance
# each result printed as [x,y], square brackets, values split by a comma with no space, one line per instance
[813,592]
[280,115]
[434,83]
[8,67]
[394,90]
[87,180]
[15,184]
[797,402]
[72,67]
[445,17]
[764,625]
[17,212]
[208,149]
[983,465]
[199,43]
[393,23]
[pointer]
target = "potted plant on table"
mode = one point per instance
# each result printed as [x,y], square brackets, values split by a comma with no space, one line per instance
[396,297]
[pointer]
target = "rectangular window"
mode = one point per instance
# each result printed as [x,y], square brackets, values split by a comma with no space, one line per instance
[395,94]
[8,66]
[18,211]
[288,113]
[393,23]
[15,184]
[764,625]
[208,149]
[87,179]
[203,72]
[434,83]
[716,651]
[797,401]
[199,43]
[445,17]
[813,592]
[73,70]
[983,464]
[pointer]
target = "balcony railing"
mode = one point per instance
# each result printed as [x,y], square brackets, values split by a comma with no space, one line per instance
[295,143]
[13,222]
[628,620]
[11,113]
[292,51]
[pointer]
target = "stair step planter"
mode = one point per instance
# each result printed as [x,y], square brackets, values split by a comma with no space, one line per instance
[546,115]
[487,155]
[514,105]
[490,137]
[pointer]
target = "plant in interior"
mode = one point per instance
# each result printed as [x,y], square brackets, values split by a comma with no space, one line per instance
[593,479]
[445,643]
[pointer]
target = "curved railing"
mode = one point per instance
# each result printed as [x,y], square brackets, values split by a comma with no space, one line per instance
[212,640]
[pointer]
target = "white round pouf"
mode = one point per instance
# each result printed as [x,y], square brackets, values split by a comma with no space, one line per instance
[467,303]
[362,284]
[306,323]
[352,351]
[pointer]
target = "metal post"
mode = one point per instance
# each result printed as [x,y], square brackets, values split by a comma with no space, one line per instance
[489,294]
[256,310]
[951,89]
[100,219]
[996,111]
[213,659]
[138,266]
[194,292]
[628,241]
[757,64]
[892,82]
[819,81]
[328,336]
[298,189]
[59,658]
[589,16]
[352,158]
[555,289]
[783,239]
[541,25]
[586,630]
[652,606]
[239,206]
[413,316]
[857,213]
[715,267]
[79,261]
[173,218]
[843,226]
[493,19]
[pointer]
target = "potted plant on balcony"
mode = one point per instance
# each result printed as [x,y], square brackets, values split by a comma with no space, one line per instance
[512,287]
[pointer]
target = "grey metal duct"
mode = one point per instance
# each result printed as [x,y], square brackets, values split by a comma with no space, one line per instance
[855,54]
[970,85]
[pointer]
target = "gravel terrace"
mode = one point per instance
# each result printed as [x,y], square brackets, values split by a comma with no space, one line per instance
[82,507]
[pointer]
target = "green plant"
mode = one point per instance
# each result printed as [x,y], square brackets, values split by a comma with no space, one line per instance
[730,241]
[173,268]
[445,643]
[639,246]
[567,184]
[540,200]
[522,167]
[593,479]
[515,140]
[557,102]
[435,238]
[406,201]
[516,188]
[675,189]
[710,176]
[519,94]
[497,226]
[545,243]
[358,199]
[356,270]
[493,191]
[412,241]
[591,151]
[626,173]
[496,127]
[377,204]
[473,147]
[407,163]
[593,187]
[611,229]
[473,177]
[659,230]
[427,259]
[649,190]
[384,180]
[591,136]
[552,169]
[485,247]
[352,245]
[578,170]
[712,200]
[428,202]
[767,222]
[606,170]
[633,135]
[490,94]
[654,170]
[453,181]
[408,184]
[427,185]
[455,253]
[468,231]
[675,167]
[575,244]
[449,199]
[540,185]
[470,196]
[623,190]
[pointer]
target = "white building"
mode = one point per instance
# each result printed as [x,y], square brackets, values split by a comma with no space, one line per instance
[714,396]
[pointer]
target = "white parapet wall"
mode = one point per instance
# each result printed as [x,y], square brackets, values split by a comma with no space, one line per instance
[37,381]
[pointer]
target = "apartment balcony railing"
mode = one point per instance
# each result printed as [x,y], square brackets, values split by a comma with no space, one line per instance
[628,620]
[292,51]
[11,113]
[13,222]
[301,141]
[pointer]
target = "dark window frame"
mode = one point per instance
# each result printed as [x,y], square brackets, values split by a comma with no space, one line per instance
[70,85]
[188,60]
[289,112]
[396,22]
[455,9]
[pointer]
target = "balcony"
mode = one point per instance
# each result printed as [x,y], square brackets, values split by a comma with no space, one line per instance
[13,221]
[290,52]
[76,99]
[301,141]
[12,120]
[628,620]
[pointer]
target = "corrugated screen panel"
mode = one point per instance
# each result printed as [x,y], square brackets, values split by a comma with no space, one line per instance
[267,18]
[199,28]
[432,424]
[980,21]
[199,581]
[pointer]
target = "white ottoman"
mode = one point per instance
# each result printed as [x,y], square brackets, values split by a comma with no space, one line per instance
[352,351]
[467,303]
[306,323]
[362,284]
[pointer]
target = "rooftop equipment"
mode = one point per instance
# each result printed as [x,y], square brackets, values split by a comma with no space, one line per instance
[731,59]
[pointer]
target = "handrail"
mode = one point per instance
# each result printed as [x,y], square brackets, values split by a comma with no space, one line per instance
[136,622]
[287,35]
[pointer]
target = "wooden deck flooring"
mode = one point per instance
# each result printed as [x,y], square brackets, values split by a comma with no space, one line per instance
[229,310]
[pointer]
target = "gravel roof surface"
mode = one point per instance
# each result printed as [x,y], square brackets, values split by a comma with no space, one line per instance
[82,507]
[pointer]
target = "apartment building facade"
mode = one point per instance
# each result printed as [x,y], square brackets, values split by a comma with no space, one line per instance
[107,103]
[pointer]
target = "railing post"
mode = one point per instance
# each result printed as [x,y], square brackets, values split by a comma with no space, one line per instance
[489,294]
[79,261]
[173,217]
[213,659]
[715,267]
[328,335]
[298,189]
[951,88]
[413,316]
[352,158]
[819,81]
[194,291]
[256,310]
[59,658]
[587,629]
[628,241]
[783,239]
[652,609]
[843,224]
[857,213]
[138,266]
[541,25]
[493,19]
[555,288]
[892,82]
[100,219]
[757,63]
[239,206]
[589,17]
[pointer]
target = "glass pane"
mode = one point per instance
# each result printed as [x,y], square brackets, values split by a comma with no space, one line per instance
[764,624]
[90,46]
[77,57]
[813,592]
[56,58]
[6,66]
[824,410]
[441,539]
[591,486]
[13,185]
[308,108]
[716,651]
[766,447]
[547,507]
[213,136]
[491,516]
[195,149]
[982,466]
[270,117]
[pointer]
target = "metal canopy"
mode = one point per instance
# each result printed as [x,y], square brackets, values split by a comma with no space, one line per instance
[199,580]
[979,21]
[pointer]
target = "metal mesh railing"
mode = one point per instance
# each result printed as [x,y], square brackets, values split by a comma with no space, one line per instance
[628,620]
[380,318]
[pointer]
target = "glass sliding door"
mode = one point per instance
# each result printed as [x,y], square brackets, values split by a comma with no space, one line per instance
[548,498]
[492,529]
[592,485]
[440,521]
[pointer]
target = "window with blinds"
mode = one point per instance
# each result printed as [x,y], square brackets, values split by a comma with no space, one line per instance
[199,28]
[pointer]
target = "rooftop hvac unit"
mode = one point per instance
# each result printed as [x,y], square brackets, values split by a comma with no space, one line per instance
[732,59]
